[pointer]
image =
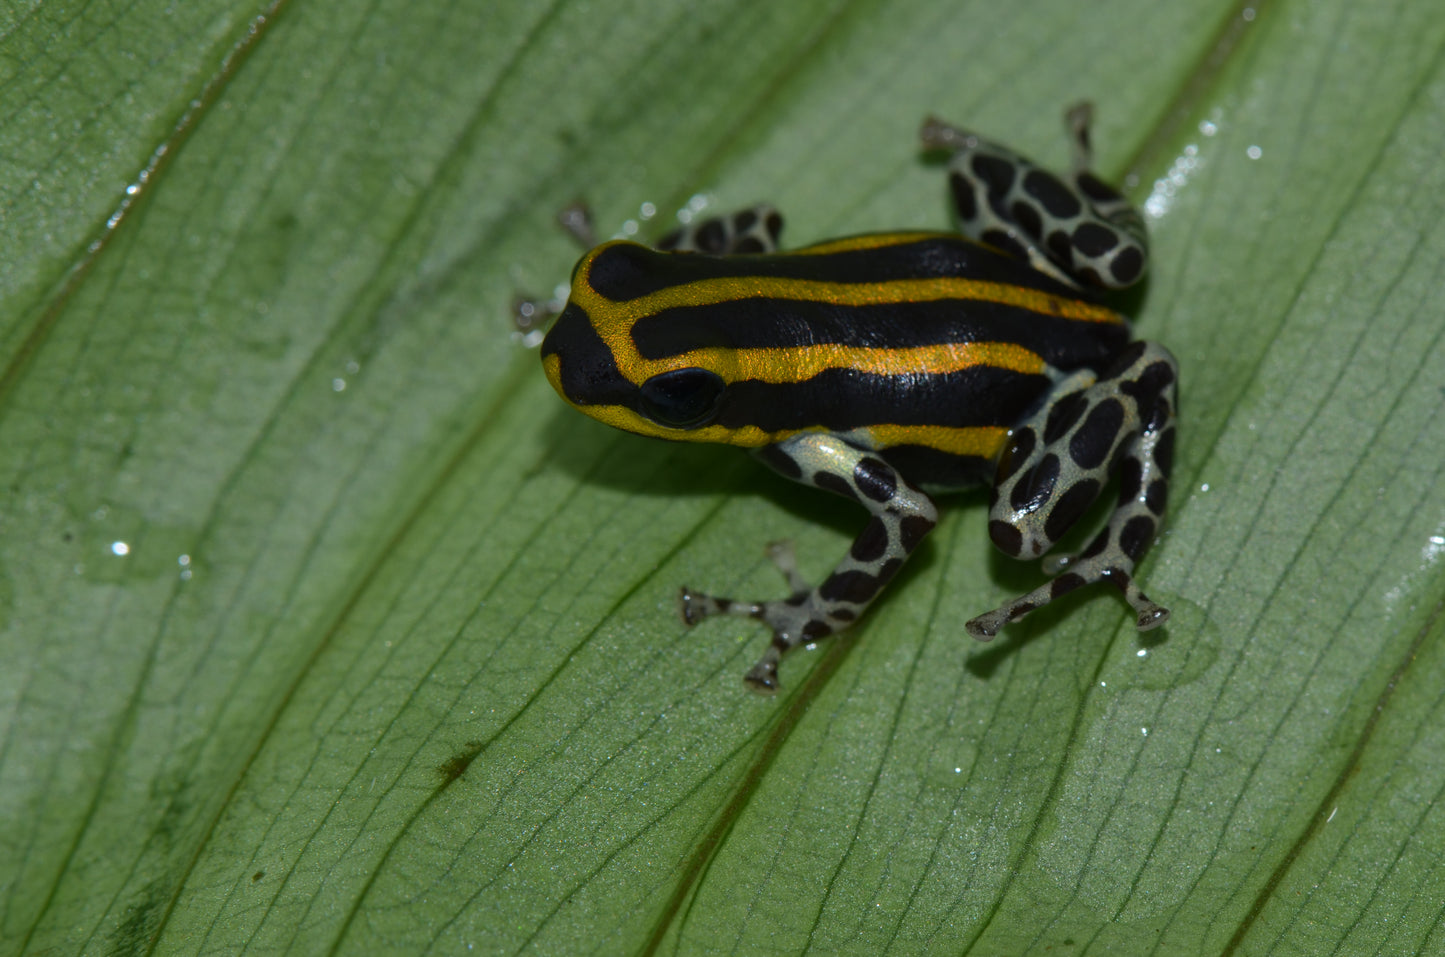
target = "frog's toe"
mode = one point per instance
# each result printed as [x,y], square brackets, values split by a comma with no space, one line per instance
[763,676]
[1152,617]
[694,606]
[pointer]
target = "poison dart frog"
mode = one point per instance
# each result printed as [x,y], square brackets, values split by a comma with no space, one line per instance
[891,366]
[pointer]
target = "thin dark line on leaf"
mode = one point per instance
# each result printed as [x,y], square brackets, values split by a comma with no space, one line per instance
[480,746]
[137,192]
[624,683]
[140,190]
[702,857]
[943,827]
[1304,541]
[380,561]
[1026,847]
[770,868]
[1351,203]
[1414,824]
[1347,772]
[1186,103]
[892,740]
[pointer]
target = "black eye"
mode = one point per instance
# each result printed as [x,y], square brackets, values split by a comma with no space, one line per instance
[682,398]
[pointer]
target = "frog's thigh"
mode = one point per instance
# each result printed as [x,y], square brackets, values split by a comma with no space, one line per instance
[1057,463]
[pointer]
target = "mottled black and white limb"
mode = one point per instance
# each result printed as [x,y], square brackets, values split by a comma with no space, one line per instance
[1058,462]
[752,230]
[901,517]
[1083,233]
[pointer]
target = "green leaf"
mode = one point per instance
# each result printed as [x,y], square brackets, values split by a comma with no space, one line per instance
[328,628]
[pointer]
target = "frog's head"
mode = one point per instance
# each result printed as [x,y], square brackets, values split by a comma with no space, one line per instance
[613,355]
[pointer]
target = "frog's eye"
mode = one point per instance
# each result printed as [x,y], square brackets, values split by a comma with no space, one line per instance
[682,398]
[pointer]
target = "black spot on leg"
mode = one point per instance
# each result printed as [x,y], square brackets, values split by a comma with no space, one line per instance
[1006,538]
[816,629]
[744,220]
[1131,475]
[1157,498]
[1097,546]
[1071,505]
[872,543]
[1096,189]
[1164,452]
[712,237]
[1091,445]
[1001,240]
[1057,199]
[997,173]
[1127,266]
[749,244]
[1027,218]
[963,199]
[1015,454]
[1094,240]
[1060,247]
[774,225]
[1136,535]
[912,530]
[1063,415]
[850,586]
[780,462]
[1150,383]
[1035,487]
[875,479]
[1021,609]
[1065,583]
[1123,361]
[832,483]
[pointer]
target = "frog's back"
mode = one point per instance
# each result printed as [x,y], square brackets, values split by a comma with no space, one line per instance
[924,346]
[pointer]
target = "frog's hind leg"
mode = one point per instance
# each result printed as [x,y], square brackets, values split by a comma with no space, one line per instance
[1076,229]
[1056,465]
[901,516]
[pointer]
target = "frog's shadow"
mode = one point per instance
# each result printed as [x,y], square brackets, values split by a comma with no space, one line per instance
[597,455]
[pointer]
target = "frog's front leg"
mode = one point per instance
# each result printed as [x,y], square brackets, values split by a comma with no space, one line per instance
[1058,461]
[901,516]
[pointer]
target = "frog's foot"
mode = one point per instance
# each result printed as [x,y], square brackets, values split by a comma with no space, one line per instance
[1148,614]
[794,620]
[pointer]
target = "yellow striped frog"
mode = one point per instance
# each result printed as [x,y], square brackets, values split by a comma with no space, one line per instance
[891,366]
